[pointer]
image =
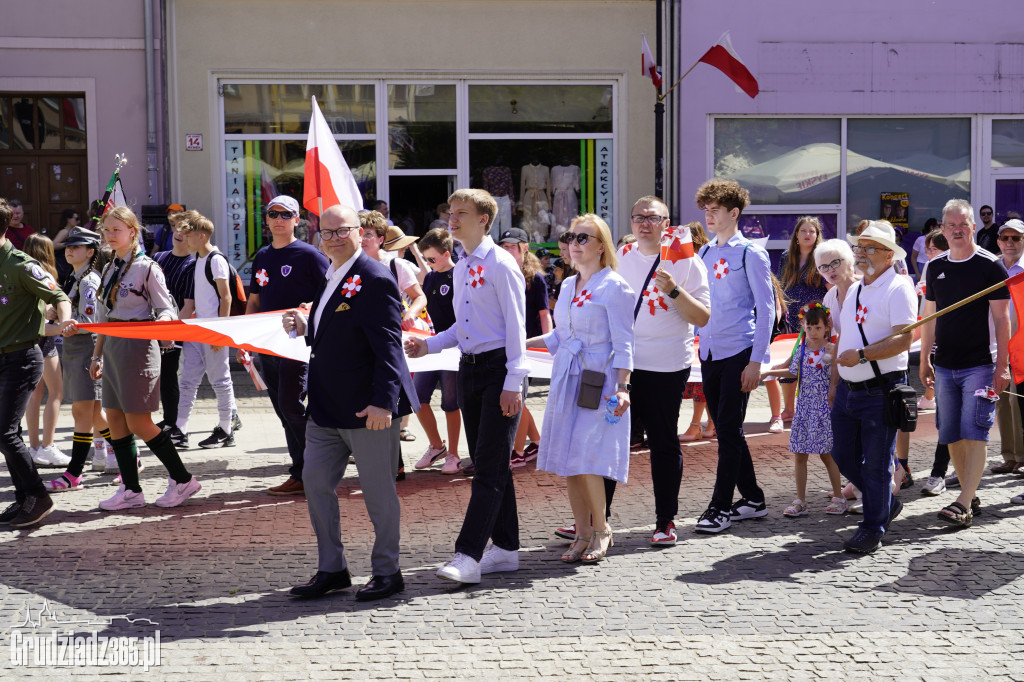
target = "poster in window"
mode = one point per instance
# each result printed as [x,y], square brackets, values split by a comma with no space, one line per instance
[895,209]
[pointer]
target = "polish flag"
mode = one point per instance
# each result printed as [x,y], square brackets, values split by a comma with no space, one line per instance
[328,181]
[1016,346]
[676,243]
[724,58]
[648,67]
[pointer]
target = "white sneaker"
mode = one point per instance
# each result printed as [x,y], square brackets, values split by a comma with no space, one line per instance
[111,465]
[432,455]
[775,426]
[496,560]
[123,499]
[925,404]
[461,569]
[936,485]
[451,463]
[99,455]
[50,456]
[178,492]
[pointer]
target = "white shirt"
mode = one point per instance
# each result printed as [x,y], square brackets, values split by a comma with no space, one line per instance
[886,303]
[334,276]
[662,339]
[206,297]
[491,314]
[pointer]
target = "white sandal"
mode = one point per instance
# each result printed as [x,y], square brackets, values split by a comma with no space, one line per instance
[797,508]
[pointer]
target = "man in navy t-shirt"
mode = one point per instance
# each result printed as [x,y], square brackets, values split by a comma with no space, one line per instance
[436,247]
[285,275]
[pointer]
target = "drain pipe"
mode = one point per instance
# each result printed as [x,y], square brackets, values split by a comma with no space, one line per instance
[152,168]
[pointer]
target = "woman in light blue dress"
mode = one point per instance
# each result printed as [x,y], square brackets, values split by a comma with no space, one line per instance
[594,331]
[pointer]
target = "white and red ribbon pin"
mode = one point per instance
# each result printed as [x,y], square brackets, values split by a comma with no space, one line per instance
[351,286]
[654,299]
[721,268]
[476,276]
[862,314]
[582,298]
[262,278]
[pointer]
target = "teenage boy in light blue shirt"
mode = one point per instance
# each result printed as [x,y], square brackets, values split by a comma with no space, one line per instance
[733,344]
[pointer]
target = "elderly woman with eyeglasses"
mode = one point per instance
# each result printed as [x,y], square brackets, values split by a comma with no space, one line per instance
[834,260]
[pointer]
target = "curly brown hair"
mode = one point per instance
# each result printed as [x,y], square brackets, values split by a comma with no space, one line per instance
[727,193]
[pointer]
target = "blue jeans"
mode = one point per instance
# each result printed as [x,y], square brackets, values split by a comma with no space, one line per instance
[862,447]
[20,371]
[491,513]
[960,414]
[727,407]
[286,384]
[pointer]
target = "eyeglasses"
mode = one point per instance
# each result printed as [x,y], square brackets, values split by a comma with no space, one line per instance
[580,238]
[279,214]
[986,213]
[870,250]
[828,267]
[1010,237]
[341,232]
[649,219]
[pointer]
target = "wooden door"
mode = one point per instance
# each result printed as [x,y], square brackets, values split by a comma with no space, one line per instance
[46,184]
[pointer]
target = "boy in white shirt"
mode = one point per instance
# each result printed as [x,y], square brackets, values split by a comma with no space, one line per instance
[211,298]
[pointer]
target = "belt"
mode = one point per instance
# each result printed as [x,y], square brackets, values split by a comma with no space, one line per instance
[877,382]
[14,347]
[474,358]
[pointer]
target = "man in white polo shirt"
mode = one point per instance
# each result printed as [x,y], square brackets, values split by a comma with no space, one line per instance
[869,364]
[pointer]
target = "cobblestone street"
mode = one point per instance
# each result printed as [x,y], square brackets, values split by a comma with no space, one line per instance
[775,597]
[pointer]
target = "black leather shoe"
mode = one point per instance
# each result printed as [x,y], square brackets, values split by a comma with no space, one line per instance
[322,583]
[8,514]
[381,586]
[863,542]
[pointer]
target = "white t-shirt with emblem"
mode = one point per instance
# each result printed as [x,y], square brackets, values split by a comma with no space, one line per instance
[663,340]
[206,297]
[887,302]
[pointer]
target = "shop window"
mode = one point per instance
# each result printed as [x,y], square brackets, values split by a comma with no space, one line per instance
[928,159]
[73,119]
[274,108]
[541,185]
[778,229]
[421,126]
[781,161]
[513,108]
[1007,143]
[42,122]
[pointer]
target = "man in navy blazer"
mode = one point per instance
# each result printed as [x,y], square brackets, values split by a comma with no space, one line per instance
[359,388]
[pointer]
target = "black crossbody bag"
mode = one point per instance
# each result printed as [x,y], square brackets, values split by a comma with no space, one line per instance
[900,410]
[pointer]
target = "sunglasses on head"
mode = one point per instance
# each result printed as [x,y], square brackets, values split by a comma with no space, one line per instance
[280,214]
[580,238]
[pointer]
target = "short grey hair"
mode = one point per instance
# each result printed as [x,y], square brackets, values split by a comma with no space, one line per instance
[959,206]
[831,249]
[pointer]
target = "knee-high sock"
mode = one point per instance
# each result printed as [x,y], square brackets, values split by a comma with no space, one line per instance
[80,443]
[127,462]
[165,451]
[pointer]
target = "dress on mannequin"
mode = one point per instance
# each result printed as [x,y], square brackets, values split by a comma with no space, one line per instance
[498,181]
[535,181]
[565,183]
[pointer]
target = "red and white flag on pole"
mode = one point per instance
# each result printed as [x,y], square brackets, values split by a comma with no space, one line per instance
[676,243]
[328,181]
[649,68]
[724,58]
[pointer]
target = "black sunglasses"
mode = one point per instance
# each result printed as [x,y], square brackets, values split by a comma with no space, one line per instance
[580,238]
[430,260]
[280,214]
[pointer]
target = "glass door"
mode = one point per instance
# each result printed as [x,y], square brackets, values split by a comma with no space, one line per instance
[414,200]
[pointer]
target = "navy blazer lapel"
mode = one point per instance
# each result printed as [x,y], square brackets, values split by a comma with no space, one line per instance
[331,305]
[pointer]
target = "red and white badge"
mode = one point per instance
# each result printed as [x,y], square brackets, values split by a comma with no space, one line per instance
[816,358]
[476,276]
[582,298]
[262,277]
[862,314]
[654,299]
[352,286]
[721,268]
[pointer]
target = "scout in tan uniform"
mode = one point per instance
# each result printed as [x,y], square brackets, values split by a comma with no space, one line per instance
[133,289]
[25,288]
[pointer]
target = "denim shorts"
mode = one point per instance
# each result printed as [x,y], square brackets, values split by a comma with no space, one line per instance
[426,382]
[960,414]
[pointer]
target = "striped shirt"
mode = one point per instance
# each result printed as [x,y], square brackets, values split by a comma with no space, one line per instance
[179,271]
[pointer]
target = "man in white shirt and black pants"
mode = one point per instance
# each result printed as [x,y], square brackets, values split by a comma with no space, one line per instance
[869,364]
[490,330]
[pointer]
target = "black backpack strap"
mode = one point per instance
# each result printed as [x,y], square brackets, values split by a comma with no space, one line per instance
[640,294]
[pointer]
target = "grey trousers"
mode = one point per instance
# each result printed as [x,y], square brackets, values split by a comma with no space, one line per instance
[326,457]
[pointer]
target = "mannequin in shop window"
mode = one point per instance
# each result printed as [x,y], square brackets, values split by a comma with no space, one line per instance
[497,179]
[565,185]
[535,190]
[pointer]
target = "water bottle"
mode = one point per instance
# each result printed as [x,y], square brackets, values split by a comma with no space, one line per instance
[610,408]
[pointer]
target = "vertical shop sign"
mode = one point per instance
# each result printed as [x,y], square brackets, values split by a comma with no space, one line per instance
[236,197]
[603,180]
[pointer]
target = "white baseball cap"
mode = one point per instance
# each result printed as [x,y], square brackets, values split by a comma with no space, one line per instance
[285,201]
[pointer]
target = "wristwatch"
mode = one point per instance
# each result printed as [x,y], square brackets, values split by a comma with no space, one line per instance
[862,358]
[623,387]
[674,293]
